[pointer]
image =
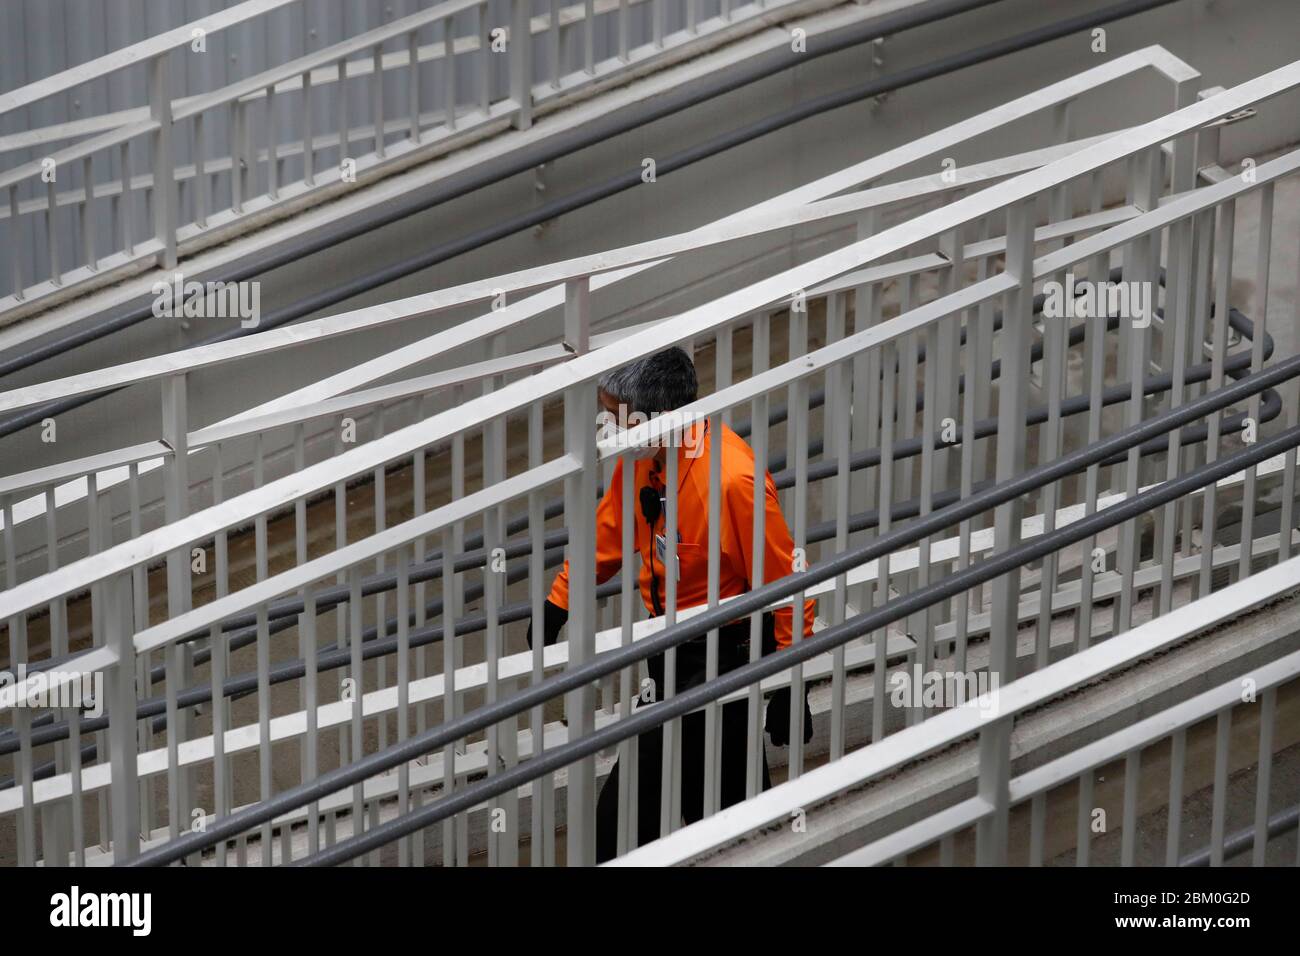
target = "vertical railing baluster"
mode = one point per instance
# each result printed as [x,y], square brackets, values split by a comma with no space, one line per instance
[1141,259]
[449,72]
[124,788]
[1218,811]
[629,830]
[202,188]
[413,85]
[624,26]
[272,146]
[580,516]
[52,232]
[1177,764]
[308,131]
[485,61]
[760,358]
[1262,276]
[1225,226]
[163,158]
[1264,774]
[993,788]
[341,111]
[1013,388]
[521,63]
[885,511]
[377,97]
[1128,828]
[589,37]
[175,417]
[15,247]
[88,218]
[712,711]
[126,214]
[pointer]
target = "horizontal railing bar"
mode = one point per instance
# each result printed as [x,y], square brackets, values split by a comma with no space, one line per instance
[1070,766]
[185,172]
[327,565]
[53,474]
[397,391]
[1148,731]
[1239,841]
[919,834]
[114,137]
[137,53]
[1166,214]
[71,671]
[357,44]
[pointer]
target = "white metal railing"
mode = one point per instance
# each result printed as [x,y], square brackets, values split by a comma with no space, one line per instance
[869,375]
[999,792]
[310,126]
[820,197]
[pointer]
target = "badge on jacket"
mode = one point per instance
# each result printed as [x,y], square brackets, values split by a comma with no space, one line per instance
[661,548]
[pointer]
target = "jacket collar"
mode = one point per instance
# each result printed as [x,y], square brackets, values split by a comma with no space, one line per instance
[688,454]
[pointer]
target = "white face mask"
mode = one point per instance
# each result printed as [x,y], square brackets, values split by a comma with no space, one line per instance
[609,431]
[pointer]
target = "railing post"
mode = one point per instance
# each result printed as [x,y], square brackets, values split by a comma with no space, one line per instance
[119,630]
[164,169]
[521,62]
[178,657]
[580,516]
[994,787]
[577,315]
[1017,327]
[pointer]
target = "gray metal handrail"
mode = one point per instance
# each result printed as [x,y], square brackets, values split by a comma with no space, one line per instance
[686,701]
[752,602]
[283,614]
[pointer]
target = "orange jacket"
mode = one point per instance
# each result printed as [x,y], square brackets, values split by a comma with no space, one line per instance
[736,540]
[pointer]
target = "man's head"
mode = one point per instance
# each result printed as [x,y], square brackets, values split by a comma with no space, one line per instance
[650,386]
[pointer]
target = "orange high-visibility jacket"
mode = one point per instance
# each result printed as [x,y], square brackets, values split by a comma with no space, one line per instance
[736,539]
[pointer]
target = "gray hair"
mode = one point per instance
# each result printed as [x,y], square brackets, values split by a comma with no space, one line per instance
[657,383]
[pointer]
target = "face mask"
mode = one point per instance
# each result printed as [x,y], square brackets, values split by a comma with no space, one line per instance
[608,430]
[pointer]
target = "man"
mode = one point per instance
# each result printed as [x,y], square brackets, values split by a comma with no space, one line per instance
[649,387]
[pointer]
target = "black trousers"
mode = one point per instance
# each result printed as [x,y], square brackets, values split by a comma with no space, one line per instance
[733,651]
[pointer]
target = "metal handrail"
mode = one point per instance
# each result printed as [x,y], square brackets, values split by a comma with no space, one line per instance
[242,629]
[837,635]
[135,54]
[758,599]
[706,318]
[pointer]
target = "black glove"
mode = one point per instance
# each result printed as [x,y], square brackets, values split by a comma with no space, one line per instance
[554,618]
[778,718]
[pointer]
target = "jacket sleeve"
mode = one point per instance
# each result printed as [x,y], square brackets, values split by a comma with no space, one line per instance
[778,546]
[609,540]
